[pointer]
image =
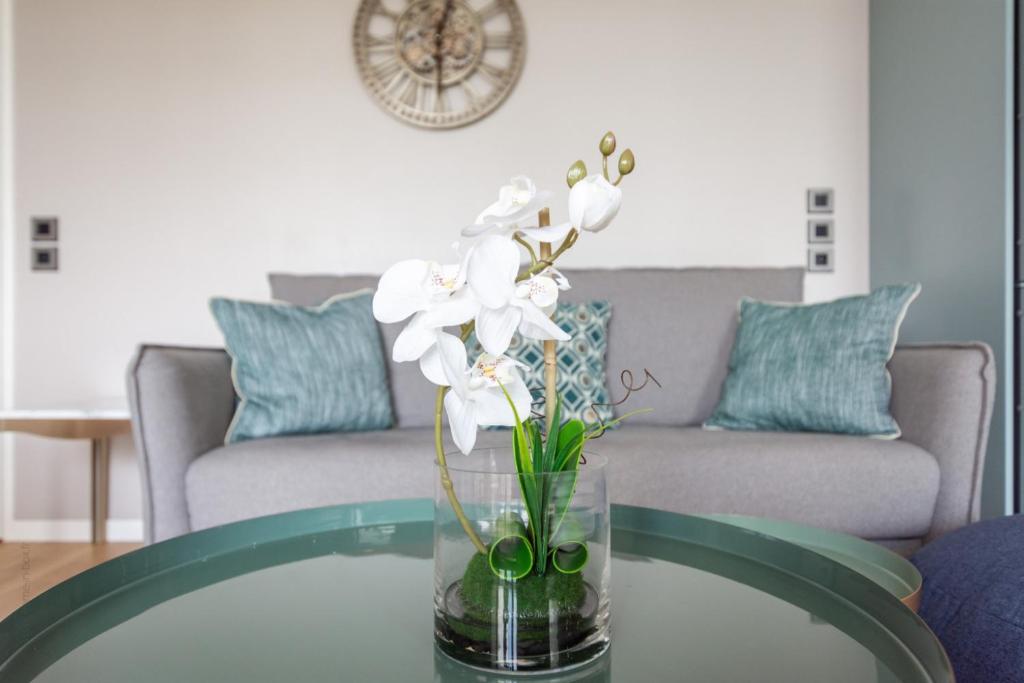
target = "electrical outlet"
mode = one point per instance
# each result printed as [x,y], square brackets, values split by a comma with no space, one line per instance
[821,200]
[44,258]
[44,228]
[820,260]
[821,231]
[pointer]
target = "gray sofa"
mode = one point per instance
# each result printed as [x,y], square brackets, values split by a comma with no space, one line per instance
[677,323]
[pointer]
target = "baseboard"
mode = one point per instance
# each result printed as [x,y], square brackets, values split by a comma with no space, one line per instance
[69,531]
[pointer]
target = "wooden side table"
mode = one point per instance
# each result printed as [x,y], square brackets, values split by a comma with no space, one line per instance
[98,424]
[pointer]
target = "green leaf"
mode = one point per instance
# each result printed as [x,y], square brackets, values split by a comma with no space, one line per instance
[551,449]
[570,445]
[524,468]
[538,520]
[562,486]
[569,552]
[537,483]
[561,490]
[527,480]
[570,558]
[536,445]
[511,556]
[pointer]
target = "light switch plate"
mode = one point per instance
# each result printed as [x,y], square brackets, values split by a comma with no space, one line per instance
[821,200]
[820,260]
[44,258]
[44,228]
[821,231]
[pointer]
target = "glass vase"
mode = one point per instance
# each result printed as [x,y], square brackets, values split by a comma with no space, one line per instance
[530,591]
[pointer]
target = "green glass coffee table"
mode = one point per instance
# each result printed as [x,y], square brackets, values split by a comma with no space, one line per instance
[345,594]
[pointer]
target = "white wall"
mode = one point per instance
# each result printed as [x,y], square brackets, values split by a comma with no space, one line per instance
[6,240]
[191,146]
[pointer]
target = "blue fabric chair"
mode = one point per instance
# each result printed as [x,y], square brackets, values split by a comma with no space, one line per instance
[973,598]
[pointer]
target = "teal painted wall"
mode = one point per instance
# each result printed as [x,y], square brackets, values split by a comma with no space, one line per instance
[940,181]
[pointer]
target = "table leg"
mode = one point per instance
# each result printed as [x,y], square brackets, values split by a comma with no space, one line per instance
[100,487]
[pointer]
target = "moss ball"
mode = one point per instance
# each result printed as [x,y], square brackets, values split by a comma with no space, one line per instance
[535,596]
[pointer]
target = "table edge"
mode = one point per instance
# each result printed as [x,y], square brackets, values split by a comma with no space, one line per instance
[33,619]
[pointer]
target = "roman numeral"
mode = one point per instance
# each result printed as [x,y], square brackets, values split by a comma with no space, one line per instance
[384,11]
[395,83]
[375,44]
[492,73]
[385,69]
[491,10]
[498,41]
[411,93]
[471,94]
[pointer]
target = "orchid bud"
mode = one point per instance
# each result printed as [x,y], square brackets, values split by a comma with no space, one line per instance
[607,145]
[626,162]
[593,203]
[576,173]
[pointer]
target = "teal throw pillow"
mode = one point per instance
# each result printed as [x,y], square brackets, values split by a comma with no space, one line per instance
[581,365]
[300,370]
[815,367]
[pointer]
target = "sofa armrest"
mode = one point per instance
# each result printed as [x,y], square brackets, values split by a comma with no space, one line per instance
[181,400]
[942,398]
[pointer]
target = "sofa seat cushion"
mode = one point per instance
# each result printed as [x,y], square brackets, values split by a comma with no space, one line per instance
[867,487]
[872,488]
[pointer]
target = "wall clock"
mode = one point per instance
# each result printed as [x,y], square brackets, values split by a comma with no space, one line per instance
[439,63]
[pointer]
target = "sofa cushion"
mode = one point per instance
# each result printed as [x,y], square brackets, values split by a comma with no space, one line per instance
[412,396]
[816,367]
[867,487]
[678,323]
[301,370]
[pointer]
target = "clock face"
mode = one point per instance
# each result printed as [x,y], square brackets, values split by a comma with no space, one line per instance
[439,63]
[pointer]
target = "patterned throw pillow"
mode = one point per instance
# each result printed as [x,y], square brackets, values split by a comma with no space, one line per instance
[815,368]
[300,370]
[581,368]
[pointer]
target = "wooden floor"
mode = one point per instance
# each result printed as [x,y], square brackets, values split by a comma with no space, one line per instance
[28,569]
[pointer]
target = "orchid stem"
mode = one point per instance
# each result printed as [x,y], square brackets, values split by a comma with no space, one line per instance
[604,169]
[550,362]
[529,248]
[442,461]
[543,263]
[446,480]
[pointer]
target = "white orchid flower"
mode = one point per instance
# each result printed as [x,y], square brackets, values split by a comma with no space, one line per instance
[476,398]
[593,203]
[542,289]
[516,202]
[549,233]
[505,305]
[434,295]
